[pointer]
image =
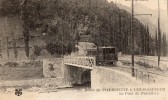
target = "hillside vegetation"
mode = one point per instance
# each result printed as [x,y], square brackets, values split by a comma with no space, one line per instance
[65,22]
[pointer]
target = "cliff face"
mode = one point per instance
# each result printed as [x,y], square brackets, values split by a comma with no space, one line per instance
[9,25]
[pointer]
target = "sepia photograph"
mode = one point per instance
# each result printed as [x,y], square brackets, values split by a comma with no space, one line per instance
[83,49]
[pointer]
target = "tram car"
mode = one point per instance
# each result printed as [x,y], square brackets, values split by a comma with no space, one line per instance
[104,55]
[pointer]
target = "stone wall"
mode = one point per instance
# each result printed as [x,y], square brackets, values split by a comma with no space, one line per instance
[149,60]
[21,70]
[73,75]
[56,69]
[53,68]
[110,78]
[153,63]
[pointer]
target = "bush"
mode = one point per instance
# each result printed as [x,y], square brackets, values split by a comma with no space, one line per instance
[144,64]
[56,48]
[37,50]
[32,57]
[51,67]
[11,64]
[32,64]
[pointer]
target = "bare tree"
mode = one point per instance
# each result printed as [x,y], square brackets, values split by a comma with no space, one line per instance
[26,35]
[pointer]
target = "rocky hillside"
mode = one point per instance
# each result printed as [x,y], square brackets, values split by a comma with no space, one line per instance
[105,23]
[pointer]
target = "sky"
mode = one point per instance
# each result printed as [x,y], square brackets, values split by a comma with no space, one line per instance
[152,4]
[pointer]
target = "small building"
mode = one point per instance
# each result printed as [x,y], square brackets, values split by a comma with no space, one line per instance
[83,47]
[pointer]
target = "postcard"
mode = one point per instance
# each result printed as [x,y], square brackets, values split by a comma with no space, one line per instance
[84,50]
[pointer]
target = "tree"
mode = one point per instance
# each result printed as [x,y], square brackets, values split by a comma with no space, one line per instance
[156,43]
[14,45]
[30,15]
[142,40]
[164,45]
[9,8]
[37,50]
[24,17]
[147,41]
[107,24]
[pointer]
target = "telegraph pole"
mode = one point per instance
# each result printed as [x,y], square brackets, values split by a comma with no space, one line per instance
[132,33]
[62,37]
[159,35]
[132,37]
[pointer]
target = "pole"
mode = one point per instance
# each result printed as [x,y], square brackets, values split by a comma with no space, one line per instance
[132,37]
[159,35]
[62,32]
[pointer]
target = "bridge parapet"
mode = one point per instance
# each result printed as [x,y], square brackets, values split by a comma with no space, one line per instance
[85,62]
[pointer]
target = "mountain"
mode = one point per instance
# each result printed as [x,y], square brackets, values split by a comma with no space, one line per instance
[152,21]
[104,23]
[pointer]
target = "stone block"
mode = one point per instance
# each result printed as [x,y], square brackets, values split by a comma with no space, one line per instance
[53,68]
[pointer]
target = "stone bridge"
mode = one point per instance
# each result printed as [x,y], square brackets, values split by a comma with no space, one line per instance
[80,70]
[83,69]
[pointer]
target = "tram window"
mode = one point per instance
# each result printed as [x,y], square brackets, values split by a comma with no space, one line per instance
[91,52]
[112,50]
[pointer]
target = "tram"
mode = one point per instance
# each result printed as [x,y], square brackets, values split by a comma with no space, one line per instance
[104,55]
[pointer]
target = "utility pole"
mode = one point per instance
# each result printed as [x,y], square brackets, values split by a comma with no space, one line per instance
[132,37]
[62,32]
[159,35]
[132,34]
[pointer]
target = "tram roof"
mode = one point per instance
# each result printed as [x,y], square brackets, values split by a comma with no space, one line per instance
[107,47]
[104,47]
